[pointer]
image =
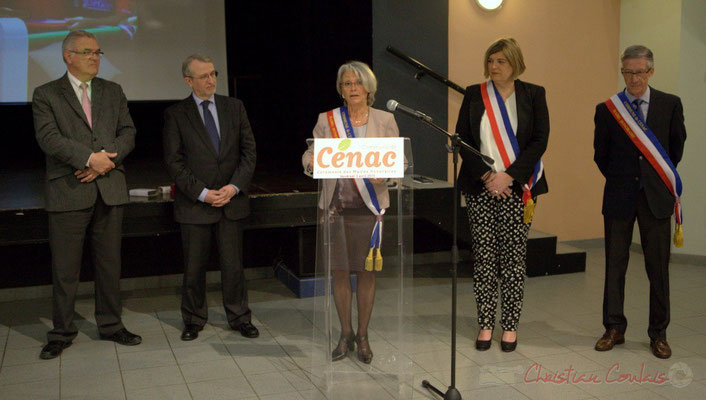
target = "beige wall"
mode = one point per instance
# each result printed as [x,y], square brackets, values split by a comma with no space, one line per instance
[571,48]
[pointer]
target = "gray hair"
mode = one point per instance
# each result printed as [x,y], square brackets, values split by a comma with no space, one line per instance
[70,40]
[186,65]
[362,71]
[638,51]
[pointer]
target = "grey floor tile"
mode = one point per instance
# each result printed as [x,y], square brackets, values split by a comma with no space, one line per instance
[49,369]
[494,393]
[104,386]
[146,359]
[210,370]
[642,394]
[89,366]
[272,383]
[138,379]
[549,391]
[231,388]
[20,355]
[202,352]
[173,392]
[38,390]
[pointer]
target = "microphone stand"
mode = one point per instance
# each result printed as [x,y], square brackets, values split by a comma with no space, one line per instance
[456,143]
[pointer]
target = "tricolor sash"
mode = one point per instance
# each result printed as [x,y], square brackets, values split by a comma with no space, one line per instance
[642,136]
[339,121]
[506,142]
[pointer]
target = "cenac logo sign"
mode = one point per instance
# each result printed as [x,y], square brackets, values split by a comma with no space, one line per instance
[359,158]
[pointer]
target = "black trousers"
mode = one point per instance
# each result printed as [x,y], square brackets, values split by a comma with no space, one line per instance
[655,239]
[196,241]
[67,233]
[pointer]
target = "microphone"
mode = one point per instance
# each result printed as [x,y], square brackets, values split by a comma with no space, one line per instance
[393,106]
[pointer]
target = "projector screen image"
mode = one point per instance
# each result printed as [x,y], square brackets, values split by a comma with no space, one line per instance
[144,41]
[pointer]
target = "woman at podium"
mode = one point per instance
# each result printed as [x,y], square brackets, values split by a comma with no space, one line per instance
[506,119]
[353,208]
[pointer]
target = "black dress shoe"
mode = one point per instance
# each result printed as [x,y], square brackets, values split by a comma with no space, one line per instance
[191,332]
[53,349]
[483,345]
[508,346]
[247,329]
[123,337]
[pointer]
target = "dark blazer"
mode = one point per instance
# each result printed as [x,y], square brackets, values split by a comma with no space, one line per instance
[532,137]
[622,164]
[194,165]
[63,133]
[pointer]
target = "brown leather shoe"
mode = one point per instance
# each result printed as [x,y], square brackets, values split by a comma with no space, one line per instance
[610,338]
[660,348]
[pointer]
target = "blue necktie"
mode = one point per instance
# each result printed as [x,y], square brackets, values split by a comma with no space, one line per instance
[211,126]
[638,109]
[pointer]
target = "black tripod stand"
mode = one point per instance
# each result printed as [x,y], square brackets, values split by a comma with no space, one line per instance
[456,143]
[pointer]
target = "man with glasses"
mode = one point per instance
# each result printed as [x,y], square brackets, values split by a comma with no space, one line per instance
[209,150]
[83,125]
[639,140]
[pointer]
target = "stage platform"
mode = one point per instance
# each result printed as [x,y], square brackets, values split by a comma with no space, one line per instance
[279,233]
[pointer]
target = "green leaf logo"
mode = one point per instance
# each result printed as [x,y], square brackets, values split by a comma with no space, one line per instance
[345,143]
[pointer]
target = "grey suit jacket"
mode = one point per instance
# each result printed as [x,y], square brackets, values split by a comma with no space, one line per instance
[380,124]
[63,133]
[194,165]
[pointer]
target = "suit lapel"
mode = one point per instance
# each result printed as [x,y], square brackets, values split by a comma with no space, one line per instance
[70,96]
[476,113]
[654,105]
[372,130]
[96,100]
[523,109]
[192,113]
[223,119]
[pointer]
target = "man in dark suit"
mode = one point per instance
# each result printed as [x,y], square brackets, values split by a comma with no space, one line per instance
[83,125]
[209,149]
[634,191]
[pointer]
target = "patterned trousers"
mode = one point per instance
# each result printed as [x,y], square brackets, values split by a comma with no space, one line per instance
[499,251]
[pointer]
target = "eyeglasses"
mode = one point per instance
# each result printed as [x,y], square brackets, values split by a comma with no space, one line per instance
[88,53]
[629,74]
[213,74]
[350,84]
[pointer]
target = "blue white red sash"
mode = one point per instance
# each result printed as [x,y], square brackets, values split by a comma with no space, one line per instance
[642,136]
[506,141]
[339,121]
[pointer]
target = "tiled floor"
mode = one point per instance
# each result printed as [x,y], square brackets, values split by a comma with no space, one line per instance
[559,326]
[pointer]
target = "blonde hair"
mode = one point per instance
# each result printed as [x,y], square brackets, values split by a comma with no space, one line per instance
[512,52]
[362,71]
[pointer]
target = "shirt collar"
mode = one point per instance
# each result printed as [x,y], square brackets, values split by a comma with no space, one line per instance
[645,96]
[77,82]
[199,100]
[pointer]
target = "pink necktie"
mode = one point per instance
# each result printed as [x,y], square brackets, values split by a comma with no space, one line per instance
[86,104]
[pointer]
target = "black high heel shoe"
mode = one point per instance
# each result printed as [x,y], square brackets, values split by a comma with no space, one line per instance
[508,346]
[345,344]
[365,354]
[483,345]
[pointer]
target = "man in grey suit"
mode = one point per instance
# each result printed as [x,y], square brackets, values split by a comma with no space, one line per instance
[83,126]
[209,150]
